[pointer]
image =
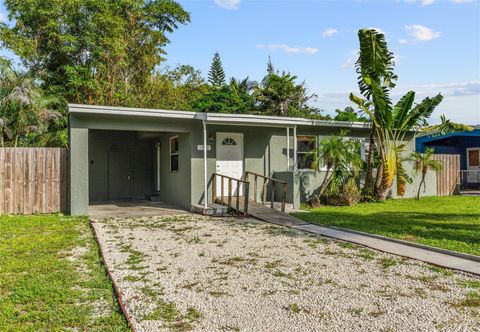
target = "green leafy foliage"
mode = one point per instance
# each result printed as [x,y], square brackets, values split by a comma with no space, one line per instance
[28,116]
[349,115]
[341,158]
[226,99]
[176,88]
[94,51]
[280,95]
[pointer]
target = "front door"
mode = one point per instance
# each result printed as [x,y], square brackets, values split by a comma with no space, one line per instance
[119,175]
[473,165]
[229,148]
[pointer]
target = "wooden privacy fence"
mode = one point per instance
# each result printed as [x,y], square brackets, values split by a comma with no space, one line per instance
[448,179]
[33,180]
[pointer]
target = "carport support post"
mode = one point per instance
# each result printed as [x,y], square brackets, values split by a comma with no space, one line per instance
[295,148]
[78,171]
[288,148]
[205,179]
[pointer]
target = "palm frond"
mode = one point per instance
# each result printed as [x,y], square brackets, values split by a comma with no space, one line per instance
[446,126]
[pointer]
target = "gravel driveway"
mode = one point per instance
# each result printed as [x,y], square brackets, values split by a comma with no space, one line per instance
[190,272]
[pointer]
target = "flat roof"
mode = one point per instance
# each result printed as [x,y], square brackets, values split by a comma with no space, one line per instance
[213,118]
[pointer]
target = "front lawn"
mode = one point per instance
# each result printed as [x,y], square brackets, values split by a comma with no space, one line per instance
[451,222]
[52,277]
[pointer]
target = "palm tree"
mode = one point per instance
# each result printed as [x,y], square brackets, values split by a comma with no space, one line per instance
[244,86]
[340,155]
[424,163]
[24,109]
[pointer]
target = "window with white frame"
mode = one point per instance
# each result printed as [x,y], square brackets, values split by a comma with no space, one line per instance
[305,145]
[174,154]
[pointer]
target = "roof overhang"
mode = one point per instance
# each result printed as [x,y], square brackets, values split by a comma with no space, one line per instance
[213,118]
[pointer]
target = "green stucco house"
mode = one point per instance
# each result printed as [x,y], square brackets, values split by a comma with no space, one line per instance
[119,153]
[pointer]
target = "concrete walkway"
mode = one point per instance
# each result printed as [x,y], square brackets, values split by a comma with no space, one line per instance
[261,212]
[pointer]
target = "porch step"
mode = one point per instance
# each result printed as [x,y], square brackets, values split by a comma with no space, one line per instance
[153,198]
[213,209]
[470,193]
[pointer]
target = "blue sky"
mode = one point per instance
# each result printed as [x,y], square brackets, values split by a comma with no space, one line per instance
[436,43]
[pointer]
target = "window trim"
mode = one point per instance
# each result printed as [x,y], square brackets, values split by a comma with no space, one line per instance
[170,154]
[315,138]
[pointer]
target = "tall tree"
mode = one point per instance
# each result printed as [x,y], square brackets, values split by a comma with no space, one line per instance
[280,95]
[216,75]
[393,124]
[270,68]
[92,51]
[175,88]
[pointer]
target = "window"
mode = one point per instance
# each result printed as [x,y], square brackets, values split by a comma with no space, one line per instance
[174,154]
[229,141]
[473,157]
[305,145]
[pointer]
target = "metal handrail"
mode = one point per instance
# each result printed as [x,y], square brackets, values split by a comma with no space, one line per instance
[266,180]
[469,178]
[229,197]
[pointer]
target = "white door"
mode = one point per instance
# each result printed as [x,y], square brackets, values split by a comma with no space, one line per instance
[473,165]
[229,148]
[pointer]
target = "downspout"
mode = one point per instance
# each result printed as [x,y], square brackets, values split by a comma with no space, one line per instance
[205,180]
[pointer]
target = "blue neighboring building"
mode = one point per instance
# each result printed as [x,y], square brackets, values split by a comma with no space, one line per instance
[466,144]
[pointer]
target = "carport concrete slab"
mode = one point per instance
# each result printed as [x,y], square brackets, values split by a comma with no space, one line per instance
[111,209]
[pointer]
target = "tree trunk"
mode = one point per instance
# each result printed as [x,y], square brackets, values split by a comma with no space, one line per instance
[379,179]
[324,182]
[420,186]
[367,187]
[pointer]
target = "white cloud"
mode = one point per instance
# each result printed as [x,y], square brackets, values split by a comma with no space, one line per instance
[461,102]
[288,49]
[329,32]
[350,62]
[403,41]
[422,33]
[228,4]
[467,88]
[422,2]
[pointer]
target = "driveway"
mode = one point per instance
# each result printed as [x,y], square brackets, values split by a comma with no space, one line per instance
[189,272]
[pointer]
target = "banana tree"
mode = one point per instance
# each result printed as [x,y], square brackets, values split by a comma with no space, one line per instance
[394,125]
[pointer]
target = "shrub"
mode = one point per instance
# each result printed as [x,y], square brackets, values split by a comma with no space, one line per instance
[350,192]
[348,195]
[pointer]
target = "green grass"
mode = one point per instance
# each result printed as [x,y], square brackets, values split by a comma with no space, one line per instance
[451,222]
[42,288]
